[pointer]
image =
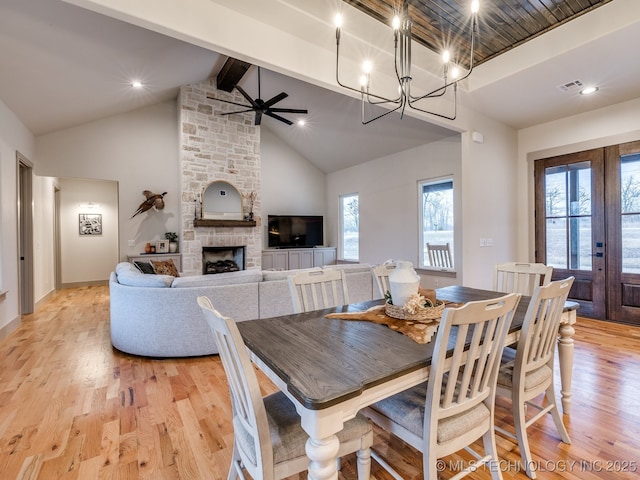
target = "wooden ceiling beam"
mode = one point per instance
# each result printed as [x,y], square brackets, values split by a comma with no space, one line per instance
[231,73]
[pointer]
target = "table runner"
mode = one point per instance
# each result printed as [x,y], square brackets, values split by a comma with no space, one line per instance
[418,331]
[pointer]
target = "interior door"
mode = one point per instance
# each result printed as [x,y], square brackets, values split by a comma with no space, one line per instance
[570,224]
[623,232]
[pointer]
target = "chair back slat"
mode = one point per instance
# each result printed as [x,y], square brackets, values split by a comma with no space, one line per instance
[520,277]
[246,398]
[381,276]
[318,289]
[467,375]
[439,255]
[536,346]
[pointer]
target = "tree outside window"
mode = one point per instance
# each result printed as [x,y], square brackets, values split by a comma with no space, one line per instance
[350,227]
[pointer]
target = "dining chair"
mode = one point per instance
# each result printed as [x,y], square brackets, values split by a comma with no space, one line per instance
[318,289]
[526,371]
[455,406]
[520,277]
[269,441]
[381,276]
[439,255]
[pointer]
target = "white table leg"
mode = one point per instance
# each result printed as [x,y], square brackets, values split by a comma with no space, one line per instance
[323,454]
[565,358]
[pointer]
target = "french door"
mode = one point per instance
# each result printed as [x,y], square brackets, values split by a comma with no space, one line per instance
[588,225]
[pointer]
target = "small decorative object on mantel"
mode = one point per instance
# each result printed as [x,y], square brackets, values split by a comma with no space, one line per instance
[251,197]
[173,241]
[197,199]
[153,200]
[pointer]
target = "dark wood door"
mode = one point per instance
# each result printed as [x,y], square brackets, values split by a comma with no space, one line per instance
[570,224]
[622,171]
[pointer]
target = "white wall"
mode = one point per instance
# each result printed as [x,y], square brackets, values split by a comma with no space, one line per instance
[607,126]
[87,258]
[387,191]
[13,136]
[290,183]
[43,236]
[139,150]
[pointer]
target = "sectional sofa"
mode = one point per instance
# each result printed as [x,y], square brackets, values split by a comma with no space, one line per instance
[157,315]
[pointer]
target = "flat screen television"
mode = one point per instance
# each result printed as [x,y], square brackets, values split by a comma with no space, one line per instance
[295,231]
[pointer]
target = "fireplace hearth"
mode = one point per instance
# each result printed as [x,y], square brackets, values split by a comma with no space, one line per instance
[223,259]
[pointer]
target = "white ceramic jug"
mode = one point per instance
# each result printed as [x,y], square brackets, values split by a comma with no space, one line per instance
[403,282]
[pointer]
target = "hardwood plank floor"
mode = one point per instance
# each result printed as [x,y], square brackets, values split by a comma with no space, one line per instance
[72,407]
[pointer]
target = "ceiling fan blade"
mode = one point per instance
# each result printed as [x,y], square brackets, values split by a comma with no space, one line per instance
[246,95]
[278,117]
[229,101]
[276,99]
[258,117]
[289,110]
[239,111]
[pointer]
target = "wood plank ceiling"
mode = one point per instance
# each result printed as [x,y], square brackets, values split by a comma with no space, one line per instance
[503,24]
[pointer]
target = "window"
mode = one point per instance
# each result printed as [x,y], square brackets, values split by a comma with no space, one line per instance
[349,227]
[436,219]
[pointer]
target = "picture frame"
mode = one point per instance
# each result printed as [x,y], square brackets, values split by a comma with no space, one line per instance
[162,246]
[90,224]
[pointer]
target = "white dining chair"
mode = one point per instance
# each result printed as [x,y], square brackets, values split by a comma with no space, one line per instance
[381,276]
[439,255]
[455,406]
[520,277]
[318,289]
[269,442]
[527,370]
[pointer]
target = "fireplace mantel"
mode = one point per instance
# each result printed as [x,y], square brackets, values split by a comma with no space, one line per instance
[208,222]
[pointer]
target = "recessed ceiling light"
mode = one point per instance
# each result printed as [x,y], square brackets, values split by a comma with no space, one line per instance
[588,90]
[136,84]
[301,123]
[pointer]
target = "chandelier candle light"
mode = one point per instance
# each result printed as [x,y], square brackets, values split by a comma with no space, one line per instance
[402,60]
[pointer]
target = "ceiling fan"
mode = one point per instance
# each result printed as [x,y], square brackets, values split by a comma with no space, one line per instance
[263,107]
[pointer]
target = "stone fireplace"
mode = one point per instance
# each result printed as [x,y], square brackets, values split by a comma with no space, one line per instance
[222,259]
[216,148]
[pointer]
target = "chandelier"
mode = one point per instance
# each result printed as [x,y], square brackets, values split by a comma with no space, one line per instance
[402,60]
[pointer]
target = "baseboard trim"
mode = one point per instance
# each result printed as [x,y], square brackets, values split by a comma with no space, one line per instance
[6,330]
[44,298]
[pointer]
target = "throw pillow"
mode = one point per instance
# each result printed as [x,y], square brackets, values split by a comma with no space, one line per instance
[165,267]
[145,267]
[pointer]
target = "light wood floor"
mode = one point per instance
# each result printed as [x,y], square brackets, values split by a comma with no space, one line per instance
[71,407]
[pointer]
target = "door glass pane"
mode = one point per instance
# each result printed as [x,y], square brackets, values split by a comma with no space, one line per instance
[556,191]
[568,212]
[557,243]
[631,243]
[630,207]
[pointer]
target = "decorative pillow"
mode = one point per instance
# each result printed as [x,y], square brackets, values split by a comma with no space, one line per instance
[165,267]
[145,267]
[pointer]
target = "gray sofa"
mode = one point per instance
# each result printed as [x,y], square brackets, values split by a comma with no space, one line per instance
[157,315]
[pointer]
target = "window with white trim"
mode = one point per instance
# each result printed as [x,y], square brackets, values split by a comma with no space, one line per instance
[349,227]
[436,217]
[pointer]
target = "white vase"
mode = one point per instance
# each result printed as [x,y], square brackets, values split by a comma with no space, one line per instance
[403,282]
[173,247]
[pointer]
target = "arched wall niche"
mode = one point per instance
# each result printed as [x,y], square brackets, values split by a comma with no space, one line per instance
[221,201]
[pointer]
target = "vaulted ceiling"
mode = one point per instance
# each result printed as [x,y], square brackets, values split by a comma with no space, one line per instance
[64,65]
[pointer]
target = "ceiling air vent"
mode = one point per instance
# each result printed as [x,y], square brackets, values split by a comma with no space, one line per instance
[576,85]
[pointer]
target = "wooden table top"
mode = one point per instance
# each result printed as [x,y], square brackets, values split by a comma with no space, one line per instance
[326,361]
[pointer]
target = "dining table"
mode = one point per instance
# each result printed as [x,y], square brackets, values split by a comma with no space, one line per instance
[332,368]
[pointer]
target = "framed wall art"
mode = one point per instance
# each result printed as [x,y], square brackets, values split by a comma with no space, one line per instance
[90,223]
[162,246]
